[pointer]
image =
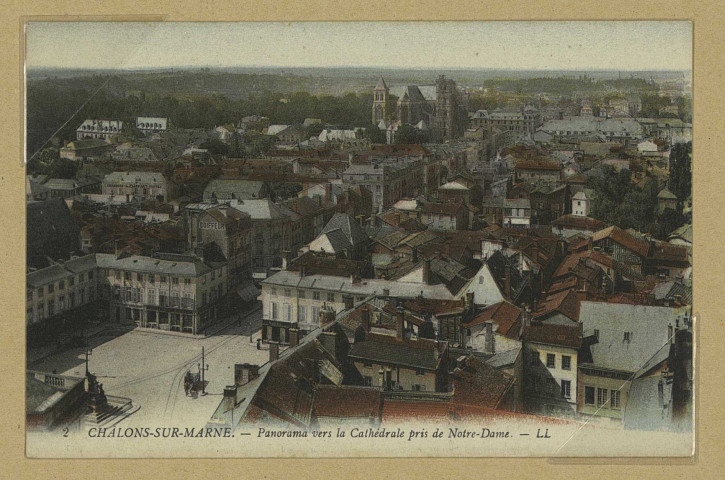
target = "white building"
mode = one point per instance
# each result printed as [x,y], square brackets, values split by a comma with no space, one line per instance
[149,125]
[105,129]
[580,205]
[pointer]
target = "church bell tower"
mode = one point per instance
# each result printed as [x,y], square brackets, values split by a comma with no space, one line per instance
[380,97]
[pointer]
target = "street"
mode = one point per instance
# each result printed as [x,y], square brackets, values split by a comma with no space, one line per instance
[149,368]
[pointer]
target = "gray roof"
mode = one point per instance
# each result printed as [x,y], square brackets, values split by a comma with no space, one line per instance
[344,224]
[365,287]
[134,177]
[242,189]
[152,265]
[592,125]
[263,209]
[505,358]
[647,327]
[395,353]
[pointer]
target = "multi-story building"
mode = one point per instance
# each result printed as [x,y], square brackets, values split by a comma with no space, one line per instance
[387,182]
[275,230]
[550,369]
[526,121]
[104,129]
[228,229]
[620,351]
[294,299]
[60,293]
[517,212]
[149,125]
[169,292]
[146,185]
[445,216]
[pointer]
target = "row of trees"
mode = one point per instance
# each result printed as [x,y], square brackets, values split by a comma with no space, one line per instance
[57,113]
[619,201]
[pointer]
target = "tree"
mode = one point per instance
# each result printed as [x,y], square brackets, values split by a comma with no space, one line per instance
[680,181]
[215,147]
[668,221]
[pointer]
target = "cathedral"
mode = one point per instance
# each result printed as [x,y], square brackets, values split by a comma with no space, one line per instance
[439,108]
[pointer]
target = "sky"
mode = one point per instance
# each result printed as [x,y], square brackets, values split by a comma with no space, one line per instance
[635,45]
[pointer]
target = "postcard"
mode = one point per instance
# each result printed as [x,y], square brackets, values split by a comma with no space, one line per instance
[359,239]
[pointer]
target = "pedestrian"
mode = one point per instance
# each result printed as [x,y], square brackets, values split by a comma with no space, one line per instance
[259,340]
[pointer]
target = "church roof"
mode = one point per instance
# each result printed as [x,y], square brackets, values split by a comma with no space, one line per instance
[381,84]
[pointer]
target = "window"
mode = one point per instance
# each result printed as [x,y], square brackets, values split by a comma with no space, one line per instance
[614,398]
[51,288]
[301,313]
[534,358]
[275,311]
[127,275]
[187,281]
[51,307]
[565,362]
[368,364]
[550,360]
[40,292]
[273,291]
[90,275]
[213,274]
[287,309]
[627,336]
[566,388]
[330,297]
[550,386]
[368,381]
[480,279]
[152,279]
[163,278]
[71,281]
[301,294]
[601,396]
[589,395]
[287,292]
[315,295]
[139,277]
[175,280]
[419,371]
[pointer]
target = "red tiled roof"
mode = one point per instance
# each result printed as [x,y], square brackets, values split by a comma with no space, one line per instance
[553,334]
[401,410]
[347,401]
[578,222]
[449,208]
[504,314]
[564,302]
[638,246]
[477,383]
[537,165]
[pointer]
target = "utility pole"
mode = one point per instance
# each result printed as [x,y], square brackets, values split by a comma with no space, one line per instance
[202,368]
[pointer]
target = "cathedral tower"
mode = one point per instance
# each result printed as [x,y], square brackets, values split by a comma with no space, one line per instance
[380,97]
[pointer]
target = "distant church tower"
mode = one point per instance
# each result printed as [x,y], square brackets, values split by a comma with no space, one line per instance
[380,97]
[446,112]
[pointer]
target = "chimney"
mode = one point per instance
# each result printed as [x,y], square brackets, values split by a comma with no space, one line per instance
[349,299]
[285,259]
[507,282]
[365,318]
[294,337]
[447,248]
[386,292]
[327,316]
[273,351]
[399,324]
[329,342]
[230,397]
[245,373]
[490,345]
[415,255]
[303,271]
[469,299]
[426,271]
